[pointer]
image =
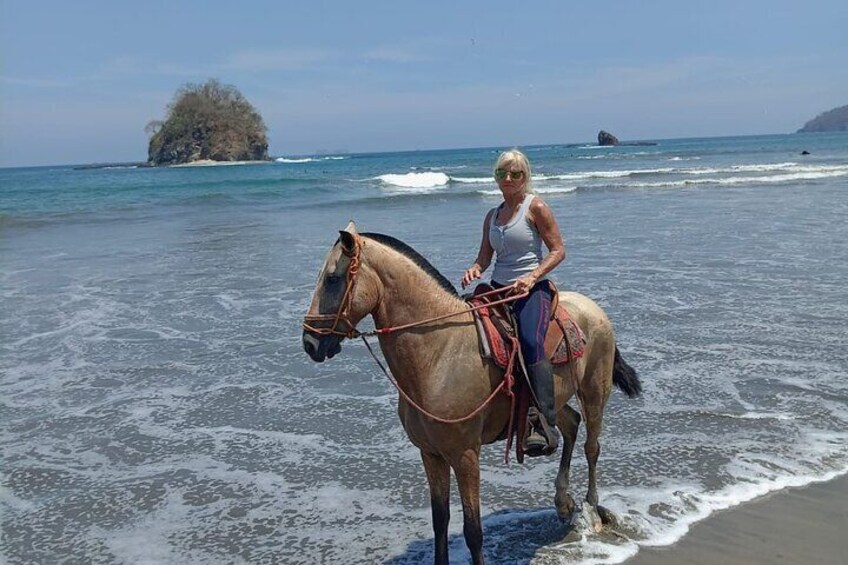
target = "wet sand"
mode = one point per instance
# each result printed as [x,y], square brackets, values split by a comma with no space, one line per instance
[803,525]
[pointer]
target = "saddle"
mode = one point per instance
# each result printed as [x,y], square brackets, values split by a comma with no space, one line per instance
[564,342]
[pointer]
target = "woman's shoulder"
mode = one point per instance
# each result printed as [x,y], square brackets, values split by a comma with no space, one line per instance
[536,202]
[540,211]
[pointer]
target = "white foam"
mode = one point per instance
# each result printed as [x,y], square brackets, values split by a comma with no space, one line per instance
[415,180]
[473,180]
[15,502]
[581,175]
[301,160]
[790,177]
[540,190]
[765,168]
[147,539]
[556,189]
[761,416]
[309,159]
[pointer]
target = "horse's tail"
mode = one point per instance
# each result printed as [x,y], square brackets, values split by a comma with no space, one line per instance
[624,376]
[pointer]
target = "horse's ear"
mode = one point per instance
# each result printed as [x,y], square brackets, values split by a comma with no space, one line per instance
[348,238]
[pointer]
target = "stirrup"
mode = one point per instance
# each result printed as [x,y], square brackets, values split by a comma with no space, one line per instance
[541,438]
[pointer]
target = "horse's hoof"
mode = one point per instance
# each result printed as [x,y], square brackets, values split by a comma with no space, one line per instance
[608,517]
[564,507]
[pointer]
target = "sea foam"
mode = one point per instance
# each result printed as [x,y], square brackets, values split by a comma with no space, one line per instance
[415,180]
[309,159]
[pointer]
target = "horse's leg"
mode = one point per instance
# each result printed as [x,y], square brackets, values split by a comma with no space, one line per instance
[594,412]
[467,470]
[568,421]
[438,477]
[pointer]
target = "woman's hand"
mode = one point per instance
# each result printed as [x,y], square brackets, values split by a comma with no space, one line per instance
[524,284]
[472,273]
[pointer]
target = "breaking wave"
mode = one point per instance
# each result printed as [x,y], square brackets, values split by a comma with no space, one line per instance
[415,180]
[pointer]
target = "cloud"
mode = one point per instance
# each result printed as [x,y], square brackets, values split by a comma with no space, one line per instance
[35,82]
[134,66]
[246,61]
[395,55]
[286,60]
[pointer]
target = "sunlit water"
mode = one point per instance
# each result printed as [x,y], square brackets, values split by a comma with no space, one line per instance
[157,406]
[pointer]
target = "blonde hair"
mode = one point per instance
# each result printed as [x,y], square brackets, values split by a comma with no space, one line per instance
[519,158]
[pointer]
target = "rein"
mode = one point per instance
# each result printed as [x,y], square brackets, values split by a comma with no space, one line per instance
[343,315]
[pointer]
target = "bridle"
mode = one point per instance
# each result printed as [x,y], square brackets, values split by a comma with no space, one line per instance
[343,313]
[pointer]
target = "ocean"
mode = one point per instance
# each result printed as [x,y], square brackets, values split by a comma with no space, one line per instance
[157,406]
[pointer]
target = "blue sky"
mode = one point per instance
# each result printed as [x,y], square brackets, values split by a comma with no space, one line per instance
[80,80]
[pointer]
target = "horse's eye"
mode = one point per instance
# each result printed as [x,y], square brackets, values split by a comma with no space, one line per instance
[333,279]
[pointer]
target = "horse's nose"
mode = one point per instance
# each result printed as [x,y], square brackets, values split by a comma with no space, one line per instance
[310,345]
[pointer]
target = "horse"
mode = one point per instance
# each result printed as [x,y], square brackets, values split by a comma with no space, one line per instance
[447,405]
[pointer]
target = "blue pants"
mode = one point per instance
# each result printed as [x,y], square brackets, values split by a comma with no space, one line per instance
[533,316]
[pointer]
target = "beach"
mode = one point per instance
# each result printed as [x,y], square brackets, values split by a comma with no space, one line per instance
[793,526]
[157,405]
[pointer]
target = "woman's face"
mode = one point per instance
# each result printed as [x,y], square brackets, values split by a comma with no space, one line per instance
[511,177]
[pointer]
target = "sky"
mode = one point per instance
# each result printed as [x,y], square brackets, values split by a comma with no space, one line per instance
[80,80]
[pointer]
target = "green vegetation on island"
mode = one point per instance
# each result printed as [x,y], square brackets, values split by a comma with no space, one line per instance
[210,121]
[832,120]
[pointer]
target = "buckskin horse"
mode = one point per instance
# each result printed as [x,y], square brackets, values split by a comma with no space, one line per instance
[449,403]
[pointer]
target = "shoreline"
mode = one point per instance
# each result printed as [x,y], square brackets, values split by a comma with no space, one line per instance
[795,525]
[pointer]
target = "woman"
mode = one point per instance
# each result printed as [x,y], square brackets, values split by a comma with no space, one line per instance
[513,232]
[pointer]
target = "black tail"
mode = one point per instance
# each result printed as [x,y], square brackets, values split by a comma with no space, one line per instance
[624,376]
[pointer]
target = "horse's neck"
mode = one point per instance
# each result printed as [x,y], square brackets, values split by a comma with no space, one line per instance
[409,295]
[437,364]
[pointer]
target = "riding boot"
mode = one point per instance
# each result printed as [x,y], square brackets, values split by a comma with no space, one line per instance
[543,438]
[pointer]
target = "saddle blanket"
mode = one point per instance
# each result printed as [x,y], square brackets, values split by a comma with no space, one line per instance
[495,329]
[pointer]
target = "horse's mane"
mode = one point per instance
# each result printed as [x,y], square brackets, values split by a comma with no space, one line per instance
[413,256]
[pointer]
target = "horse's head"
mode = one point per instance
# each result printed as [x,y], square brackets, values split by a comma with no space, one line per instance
[343,296]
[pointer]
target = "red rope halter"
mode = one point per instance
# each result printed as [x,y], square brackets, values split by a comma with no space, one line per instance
[343,313]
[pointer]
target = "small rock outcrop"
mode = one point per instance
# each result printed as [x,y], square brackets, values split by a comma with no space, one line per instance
[606,138]
[832,120]
[209,121]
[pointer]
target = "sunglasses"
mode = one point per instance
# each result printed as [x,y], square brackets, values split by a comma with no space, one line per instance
[501,174]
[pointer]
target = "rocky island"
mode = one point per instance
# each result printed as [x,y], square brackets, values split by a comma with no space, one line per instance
[605,138]
[209,122]
[832,120]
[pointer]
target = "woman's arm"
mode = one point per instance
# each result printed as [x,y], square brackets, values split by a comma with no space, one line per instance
[543,218]
[484,256]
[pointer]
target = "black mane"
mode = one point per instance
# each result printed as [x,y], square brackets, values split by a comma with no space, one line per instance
[413,256]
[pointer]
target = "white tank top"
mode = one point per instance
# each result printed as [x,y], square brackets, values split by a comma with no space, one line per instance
[517,245]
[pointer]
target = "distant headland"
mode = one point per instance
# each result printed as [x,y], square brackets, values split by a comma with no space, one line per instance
[832,120]
[206,124]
